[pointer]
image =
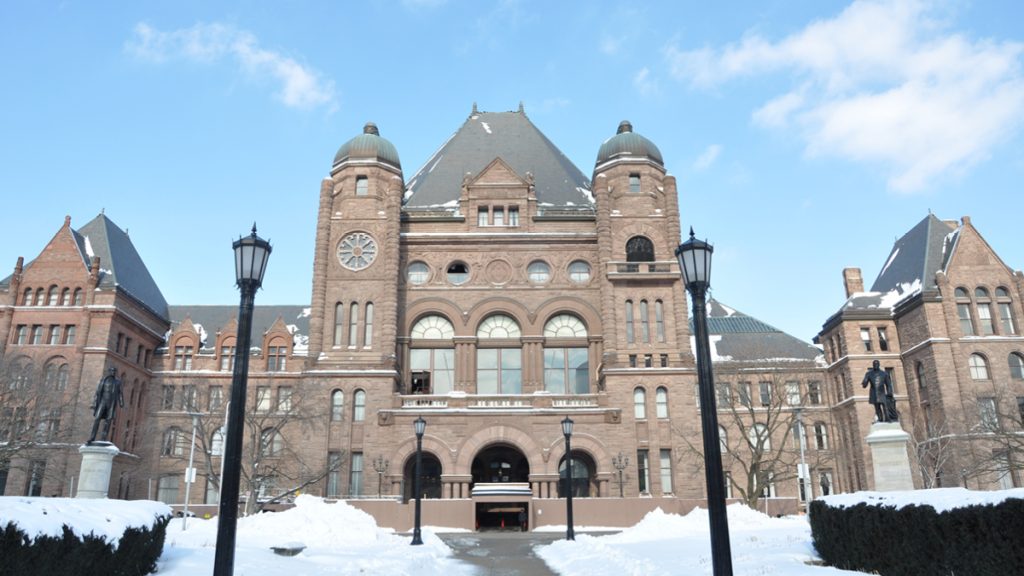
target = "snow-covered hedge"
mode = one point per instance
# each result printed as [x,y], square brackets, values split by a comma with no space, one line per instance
[46,536]
[942,532]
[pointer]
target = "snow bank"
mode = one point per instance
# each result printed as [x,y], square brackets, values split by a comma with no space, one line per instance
[941,499]
[106,519]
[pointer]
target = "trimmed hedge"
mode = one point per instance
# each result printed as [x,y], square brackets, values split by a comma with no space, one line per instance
[136,554]
[918,541]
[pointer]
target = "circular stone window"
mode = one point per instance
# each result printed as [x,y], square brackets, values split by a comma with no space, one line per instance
[458,272]
[539,272]
[417,273]
[357,251]
[579,272]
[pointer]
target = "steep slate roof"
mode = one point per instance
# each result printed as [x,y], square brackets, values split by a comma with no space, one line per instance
[213,318]
[506,135]
[913,261]
[737,337]
[120,264]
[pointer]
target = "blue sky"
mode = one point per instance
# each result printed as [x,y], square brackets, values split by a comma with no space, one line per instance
[805,135]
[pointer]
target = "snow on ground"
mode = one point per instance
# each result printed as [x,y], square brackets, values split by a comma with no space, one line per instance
[339,539]
[663,544]
[941,499]
[105,519]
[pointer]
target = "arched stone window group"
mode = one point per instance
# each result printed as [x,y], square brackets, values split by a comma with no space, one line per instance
[985,315]
[53,296]
[338,405]
[640,402]
[347,322]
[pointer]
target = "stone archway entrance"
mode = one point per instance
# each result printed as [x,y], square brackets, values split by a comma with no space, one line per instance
[500,463]
[501,488]
[430,477]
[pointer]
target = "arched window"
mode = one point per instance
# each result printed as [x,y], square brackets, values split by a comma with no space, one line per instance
[359,406]
[339,324]
[217,442]
[1003,304]
[498,370]
[821,436]
[173,442]
[978,367]
[1016,362]
[368,326]
[984,304]
[759,438]
[432,368]
[52,298]
[566,356]
[639,249]
[353,324]
[62,376]
[337,406]
[723,439]
[645,328]
[582,474]
[922,382]
[963,311]
[27,299]
[629,322]
[76,299]
[50,375]
[277,356]
[639,403]
[659,320]
[40,297]
[271,442]
[65,297]
[661,402]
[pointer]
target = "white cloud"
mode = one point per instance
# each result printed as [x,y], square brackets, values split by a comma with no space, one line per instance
[643,82]
[300,85]
[707,158]
[883,82]
[610,45]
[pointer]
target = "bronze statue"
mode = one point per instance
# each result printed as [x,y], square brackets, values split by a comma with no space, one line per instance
[104,404]
[881,395]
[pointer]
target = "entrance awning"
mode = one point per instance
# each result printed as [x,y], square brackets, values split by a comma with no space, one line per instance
[502,489]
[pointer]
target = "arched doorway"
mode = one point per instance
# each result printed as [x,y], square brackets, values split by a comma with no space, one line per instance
[499,464]
[583,470]
[430,477]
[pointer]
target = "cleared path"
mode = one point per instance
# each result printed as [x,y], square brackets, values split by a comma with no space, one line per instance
[502,553]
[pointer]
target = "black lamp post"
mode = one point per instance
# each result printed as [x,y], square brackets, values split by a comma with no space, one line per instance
[570,534]
[421,426]
[695,266]
[251,254]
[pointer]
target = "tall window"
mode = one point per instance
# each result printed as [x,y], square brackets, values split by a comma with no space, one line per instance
[793,393]
[634,183]
[183,357]
[566,369]
[482,218]
[54,337]
[743,391]
[821,436]
[173,444]
[1006,325]
[217,442]
[666,471]
[76,299]
[435,366]
[333,475]
[978,367]
[724,390]
[167,398]
[639,403]
[337,406]
[362,186]
[339,324]
[987,414]
[62,377]
[21,335]
[922,383]
[865,336]
[1016,363]
[355,479]
[368,326]
[513,216]
[629,322]
[984,311]
[759,438]
[69,334]
[263,398]
[227,358]
[499,216]
[284,399]
[167,490]
[963,312]
[639,249]
[353,324]
[188,399]
[27,299]
[643,473]
[883,340]
[65,297]
[52,298]
[645,328]
[814,393]
[661,402]
[765,389]
[216,398]
[271,442]
[37,334]
[277,358]
[659,320]
[499,371]
[359,406]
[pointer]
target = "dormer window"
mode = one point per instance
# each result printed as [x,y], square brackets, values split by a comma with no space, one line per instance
[362,186]
[497,216]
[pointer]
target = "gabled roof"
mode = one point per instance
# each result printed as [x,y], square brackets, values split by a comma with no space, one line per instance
[736,337]
[213,318]
[913,261]
[120,263]
[506,135]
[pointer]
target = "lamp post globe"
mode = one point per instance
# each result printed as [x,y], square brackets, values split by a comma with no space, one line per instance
[420,426]
[570,533]
[695,269]
[251,255]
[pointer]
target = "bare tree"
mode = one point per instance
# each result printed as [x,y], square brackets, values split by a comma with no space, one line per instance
[274,468]
[992,445]
[758,414]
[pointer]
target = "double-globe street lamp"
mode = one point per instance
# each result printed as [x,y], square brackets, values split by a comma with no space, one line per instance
[570,534]
[251,254]
[695,267]
[420,426]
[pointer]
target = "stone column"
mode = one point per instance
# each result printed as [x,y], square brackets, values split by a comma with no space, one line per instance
[94,477]
[889,457]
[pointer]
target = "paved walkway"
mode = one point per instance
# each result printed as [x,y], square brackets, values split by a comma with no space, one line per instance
[502,553]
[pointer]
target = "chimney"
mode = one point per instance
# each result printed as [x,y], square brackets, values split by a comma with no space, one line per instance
[853,281]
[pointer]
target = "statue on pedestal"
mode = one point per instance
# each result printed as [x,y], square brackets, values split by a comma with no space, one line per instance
[881,394]
[104,404]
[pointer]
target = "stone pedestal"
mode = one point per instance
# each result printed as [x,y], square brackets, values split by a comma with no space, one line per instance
[97,461]
[888,444]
